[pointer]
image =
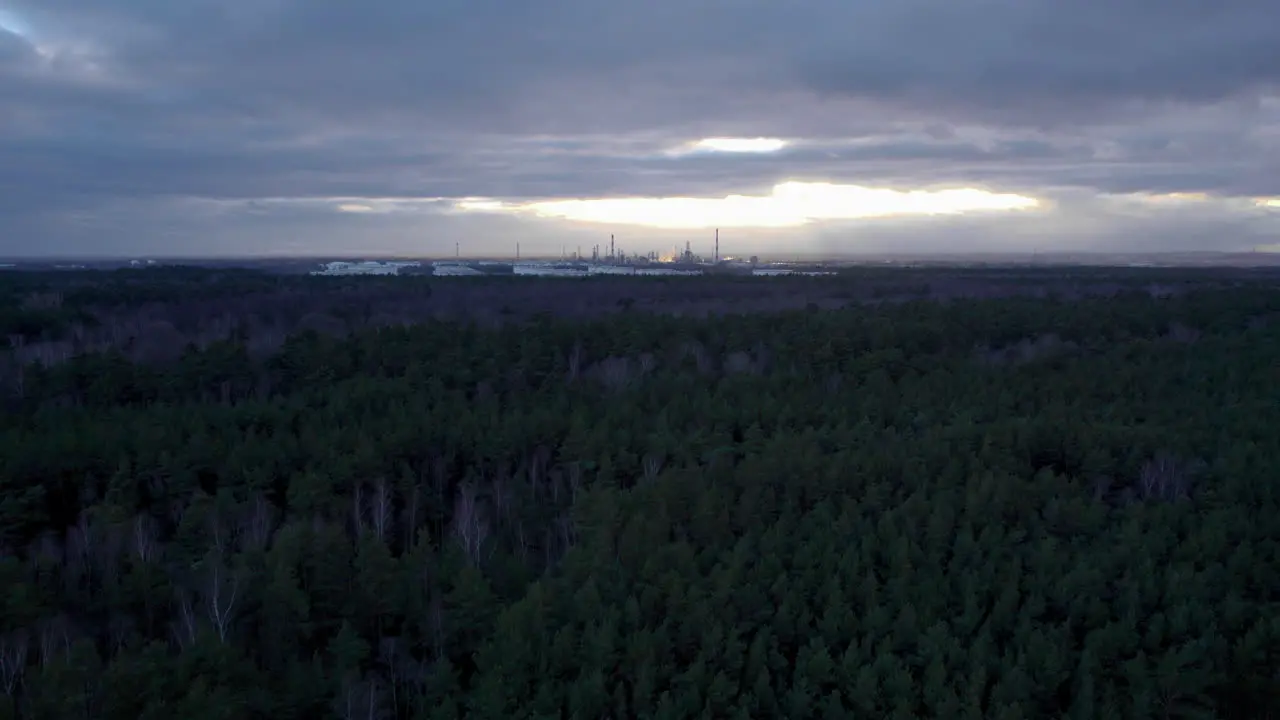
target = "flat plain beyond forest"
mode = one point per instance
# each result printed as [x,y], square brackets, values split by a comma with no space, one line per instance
[887,493]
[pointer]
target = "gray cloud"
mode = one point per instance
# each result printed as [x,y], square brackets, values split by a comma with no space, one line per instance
[114,115]
[1049,61]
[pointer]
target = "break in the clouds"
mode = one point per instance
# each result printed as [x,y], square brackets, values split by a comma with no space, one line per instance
[315,126]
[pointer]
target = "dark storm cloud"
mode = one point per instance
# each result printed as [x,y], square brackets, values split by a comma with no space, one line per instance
[500,64]
[113,105]
[1041,60]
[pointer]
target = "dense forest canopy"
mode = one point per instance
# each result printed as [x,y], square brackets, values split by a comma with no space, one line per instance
[1019,505]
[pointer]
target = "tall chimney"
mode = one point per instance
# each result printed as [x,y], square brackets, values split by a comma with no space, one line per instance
[717,258]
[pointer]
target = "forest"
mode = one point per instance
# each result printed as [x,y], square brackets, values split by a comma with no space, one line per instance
[232,495]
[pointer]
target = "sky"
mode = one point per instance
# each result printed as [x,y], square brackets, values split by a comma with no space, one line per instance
[796,127]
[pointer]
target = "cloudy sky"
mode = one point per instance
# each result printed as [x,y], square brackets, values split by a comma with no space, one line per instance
[228,127]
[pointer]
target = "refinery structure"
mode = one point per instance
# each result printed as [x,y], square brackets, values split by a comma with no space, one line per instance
[601,260]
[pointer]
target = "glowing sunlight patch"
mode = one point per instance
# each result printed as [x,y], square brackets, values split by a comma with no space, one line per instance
[741,145]
[376,205]
[1174,198]
[1269,202]
[481,205]
[789,205]
[13,24]
[758,145]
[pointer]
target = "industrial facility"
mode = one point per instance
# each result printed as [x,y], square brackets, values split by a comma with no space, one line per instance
[606,260]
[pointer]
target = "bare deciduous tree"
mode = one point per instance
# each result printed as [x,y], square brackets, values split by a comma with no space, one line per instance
[575,481]
[363,699]
[566,529]
[143,536]
[221,592]
[394,656]
[614,373]
[501,494]
[80,541]
[176,511]
[47,549]
[381,509]
[469,526]
[739,362]
[409,523]
[439,476]
[120,629]
[55,637]
[436,614]
[185,626]
[257,523]
[1164,477]
[1181,333]
[701,358]
[13,660]
[575,362]
[537,468]
[652,464]
[522,542]
[834,382]
[1102,487]
[548,546]
[357,510]
[554,480]
[218,531]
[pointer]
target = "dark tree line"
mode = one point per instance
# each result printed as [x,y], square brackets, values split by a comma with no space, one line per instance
[1003,508]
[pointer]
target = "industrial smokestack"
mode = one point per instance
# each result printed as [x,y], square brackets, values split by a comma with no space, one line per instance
[717,258]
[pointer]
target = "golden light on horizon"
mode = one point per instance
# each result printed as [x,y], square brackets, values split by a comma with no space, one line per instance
[790,204]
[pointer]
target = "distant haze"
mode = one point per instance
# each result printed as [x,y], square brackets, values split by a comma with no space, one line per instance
[803,128]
